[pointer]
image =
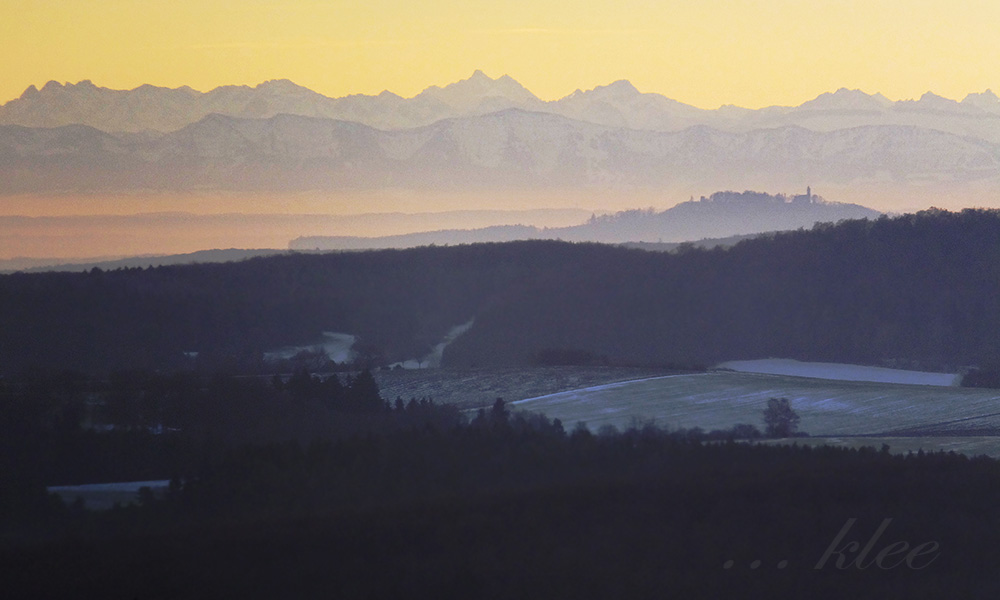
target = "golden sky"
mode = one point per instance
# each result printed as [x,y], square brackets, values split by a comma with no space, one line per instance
[703,52]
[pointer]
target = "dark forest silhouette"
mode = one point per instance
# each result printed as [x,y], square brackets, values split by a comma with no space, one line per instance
[918,290]
[382,501]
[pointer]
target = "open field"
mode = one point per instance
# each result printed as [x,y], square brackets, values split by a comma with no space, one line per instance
[719,400]
[842,372]
[479,388]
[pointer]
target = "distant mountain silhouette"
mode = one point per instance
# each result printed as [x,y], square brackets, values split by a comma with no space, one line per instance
[722,215]
[483,133]
[93,240]
[480,93]
[40,265]
[619,104]
[163,109]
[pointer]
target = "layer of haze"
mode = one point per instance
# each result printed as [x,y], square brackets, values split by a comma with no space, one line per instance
[74,226]
[751,53]
[113,226]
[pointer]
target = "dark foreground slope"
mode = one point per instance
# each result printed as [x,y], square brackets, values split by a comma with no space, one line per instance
[920,289]
[309,489]
[505,508]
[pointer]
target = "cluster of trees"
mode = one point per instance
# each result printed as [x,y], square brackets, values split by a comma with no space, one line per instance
[358,394]
[70,428]
[317,486]
[227,316]
[987,376]
[914,291]
[512,504]
[919,290]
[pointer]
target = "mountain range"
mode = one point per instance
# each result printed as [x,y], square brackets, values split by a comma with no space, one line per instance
[619,105]
[509,149]
[484,134]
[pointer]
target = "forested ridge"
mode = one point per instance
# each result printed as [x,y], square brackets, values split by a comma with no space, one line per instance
[919,290]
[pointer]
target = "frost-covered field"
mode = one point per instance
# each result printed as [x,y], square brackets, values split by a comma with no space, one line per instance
[841,372]
[478,388]
[719,400]
[101,496]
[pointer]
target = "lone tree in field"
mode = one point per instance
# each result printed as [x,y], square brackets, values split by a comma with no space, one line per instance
[779,419]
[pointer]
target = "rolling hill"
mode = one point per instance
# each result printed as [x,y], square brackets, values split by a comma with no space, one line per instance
[713,220]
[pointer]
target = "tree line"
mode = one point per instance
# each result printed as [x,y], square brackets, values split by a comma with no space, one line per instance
[506,503]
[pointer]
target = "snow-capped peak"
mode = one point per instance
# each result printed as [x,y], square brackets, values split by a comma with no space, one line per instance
[931,101]
[845,99]
[472,92]
[618,89]
[281,86]
[987,101]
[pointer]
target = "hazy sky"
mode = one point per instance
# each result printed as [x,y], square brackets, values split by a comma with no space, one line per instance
[704,52]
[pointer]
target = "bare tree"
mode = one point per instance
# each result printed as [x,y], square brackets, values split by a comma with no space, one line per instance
[779,419]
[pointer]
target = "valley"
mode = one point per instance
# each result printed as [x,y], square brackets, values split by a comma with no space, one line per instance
[523,300]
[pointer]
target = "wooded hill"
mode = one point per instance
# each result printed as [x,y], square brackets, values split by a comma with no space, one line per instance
[916,290]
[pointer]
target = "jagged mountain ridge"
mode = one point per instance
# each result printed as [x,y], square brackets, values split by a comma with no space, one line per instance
[507,149]
[618,104]
[164,109]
